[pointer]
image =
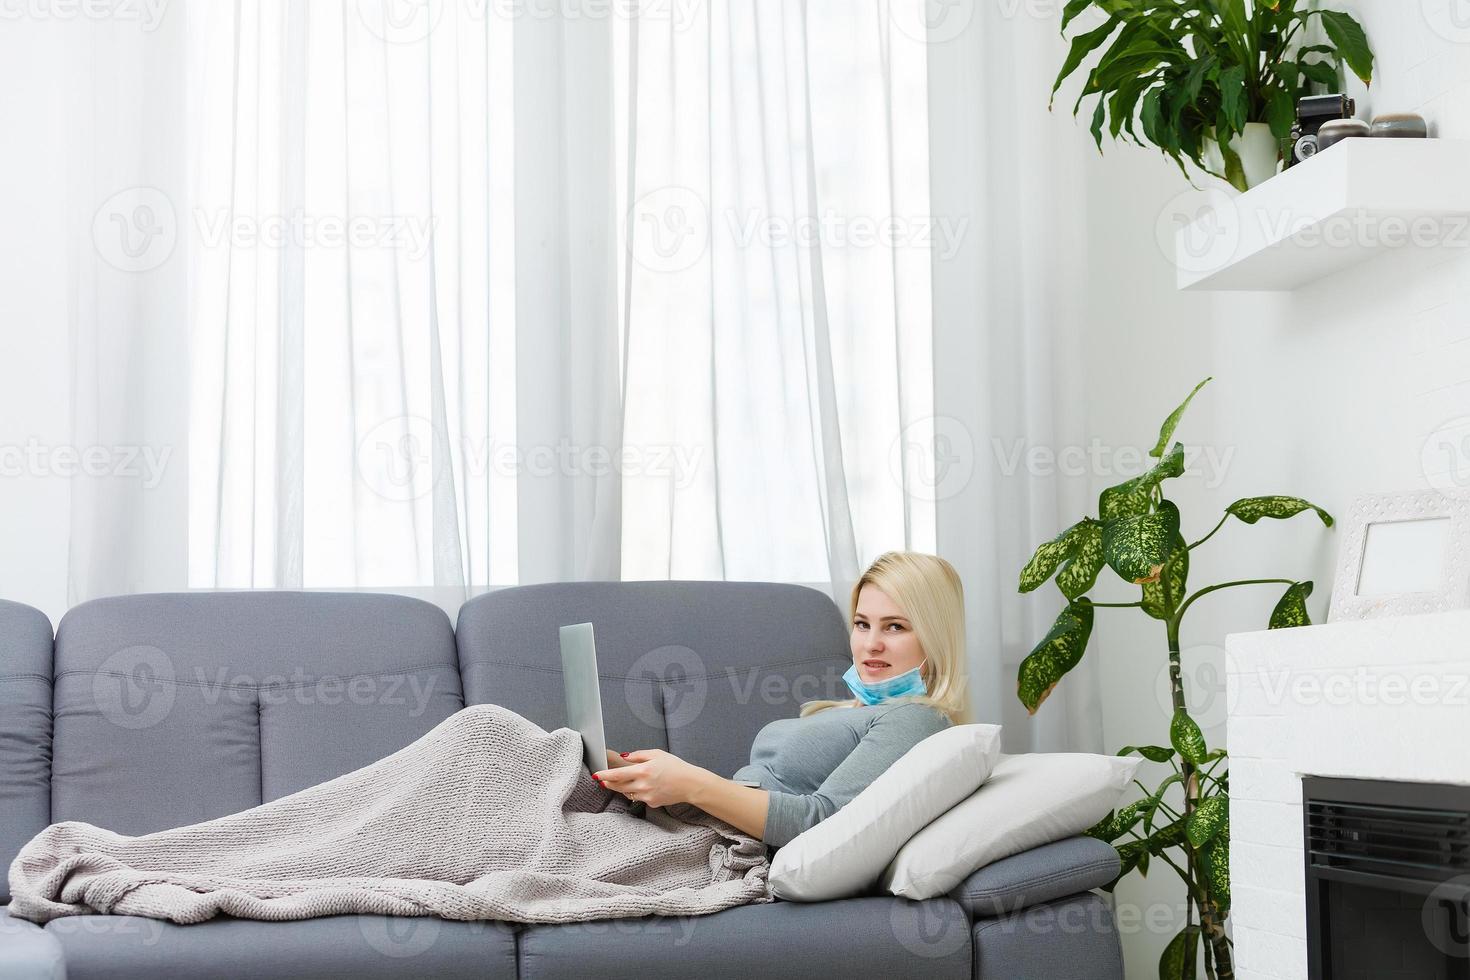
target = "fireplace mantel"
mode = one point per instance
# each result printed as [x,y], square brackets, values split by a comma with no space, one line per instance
[1380,699]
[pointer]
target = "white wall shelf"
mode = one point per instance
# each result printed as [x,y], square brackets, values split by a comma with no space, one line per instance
[1349,203]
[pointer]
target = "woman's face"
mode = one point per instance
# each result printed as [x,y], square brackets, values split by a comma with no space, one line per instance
[883,640]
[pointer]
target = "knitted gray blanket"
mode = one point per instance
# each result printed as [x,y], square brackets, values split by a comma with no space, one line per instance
[485,817]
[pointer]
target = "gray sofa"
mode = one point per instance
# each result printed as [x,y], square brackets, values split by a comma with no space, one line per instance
[150,711]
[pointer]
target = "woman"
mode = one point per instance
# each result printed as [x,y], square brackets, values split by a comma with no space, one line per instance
[907,681]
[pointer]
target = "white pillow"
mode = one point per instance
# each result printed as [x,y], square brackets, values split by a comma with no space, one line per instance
[844,854]
[1029,800]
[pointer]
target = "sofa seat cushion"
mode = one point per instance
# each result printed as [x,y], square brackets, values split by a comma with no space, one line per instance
[352,947]
[855,937]
[1064,867]
[1071,938]
[27,952]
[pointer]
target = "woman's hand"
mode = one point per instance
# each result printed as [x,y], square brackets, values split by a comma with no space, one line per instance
[653,777]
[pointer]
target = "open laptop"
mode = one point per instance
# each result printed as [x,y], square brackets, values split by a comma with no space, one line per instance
[583,693]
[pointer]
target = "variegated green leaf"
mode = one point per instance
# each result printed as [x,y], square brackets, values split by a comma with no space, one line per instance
[1166,432]
[1102,828]
[1119,823]
[1207,819]
[1129,855]
[1187,739]
[1179,959]
[1153,753]
[1163,595]
[1292,609]
[1215,862]
[1158,794]
[1049,557]
[1079,572]
[1135,496]
[1137,547]
[1166,837]
[1058,652]
[1252,509]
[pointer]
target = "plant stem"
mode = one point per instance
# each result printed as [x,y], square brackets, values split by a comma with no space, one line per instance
[1114,605]
[1211,534]
[1227,585]
[1211,922]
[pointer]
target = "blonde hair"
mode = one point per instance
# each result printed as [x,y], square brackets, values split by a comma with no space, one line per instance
[929,591]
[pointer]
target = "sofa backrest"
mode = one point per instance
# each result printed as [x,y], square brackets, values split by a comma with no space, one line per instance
[695,668]
[25,730]
[175,708]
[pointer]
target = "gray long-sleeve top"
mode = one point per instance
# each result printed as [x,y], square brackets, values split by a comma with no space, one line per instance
[813,766]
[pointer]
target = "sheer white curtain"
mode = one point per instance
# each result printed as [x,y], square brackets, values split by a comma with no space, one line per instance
[774,287]
[353,296]
[452,295]
[123,81]
[440,339]
[1009,310]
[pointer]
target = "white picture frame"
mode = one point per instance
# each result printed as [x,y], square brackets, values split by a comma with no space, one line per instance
[1402,554]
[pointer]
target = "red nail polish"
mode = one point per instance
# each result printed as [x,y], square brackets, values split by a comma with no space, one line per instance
[623,754]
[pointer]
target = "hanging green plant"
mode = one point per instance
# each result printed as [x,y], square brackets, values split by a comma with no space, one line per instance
[1189,76]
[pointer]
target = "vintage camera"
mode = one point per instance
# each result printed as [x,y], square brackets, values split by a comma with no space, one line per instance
[1311,112]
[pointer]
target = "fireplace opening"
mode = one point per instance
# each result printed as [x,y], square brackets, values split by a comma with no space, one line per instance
[1388,880]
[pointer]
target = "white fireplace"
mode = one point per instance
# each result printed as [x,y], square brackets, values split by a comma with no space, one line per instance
[1385,699]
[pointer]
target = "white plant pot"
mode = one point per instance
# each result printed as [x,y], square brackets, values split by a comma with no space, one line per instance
[1258,150]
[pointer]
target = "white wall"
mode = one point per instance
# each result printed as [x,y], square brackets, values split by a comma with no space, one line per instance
[1326,393]
[34,392]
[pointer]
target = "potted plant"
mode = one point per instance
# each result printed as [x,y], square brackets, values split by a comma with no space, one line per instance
[1184,822]
[1214,82]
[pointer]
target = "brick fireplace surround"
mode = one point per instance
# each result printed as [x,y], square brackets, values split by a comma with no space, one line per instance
[1379,699]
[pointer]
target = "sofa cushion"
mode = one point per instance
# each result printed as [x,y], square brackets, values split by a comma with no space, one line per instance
[855,937]
[1029,800]
[176,708]
[1050,871]
[25,729]
[1071,938]
[27,952]
[350,947]
[695,668]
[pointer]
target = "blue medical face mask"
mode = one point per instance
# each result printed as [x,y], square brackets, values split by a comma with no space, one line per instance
[908,684]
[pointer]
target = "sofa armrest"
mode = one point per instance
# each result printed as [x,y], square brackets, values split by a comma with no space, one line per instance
[28,952]
[1041,874]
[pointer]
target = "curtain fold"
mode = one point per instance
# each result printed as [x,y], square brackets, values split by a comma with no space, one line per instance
[775,288]
[1008,311]
[126,273]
